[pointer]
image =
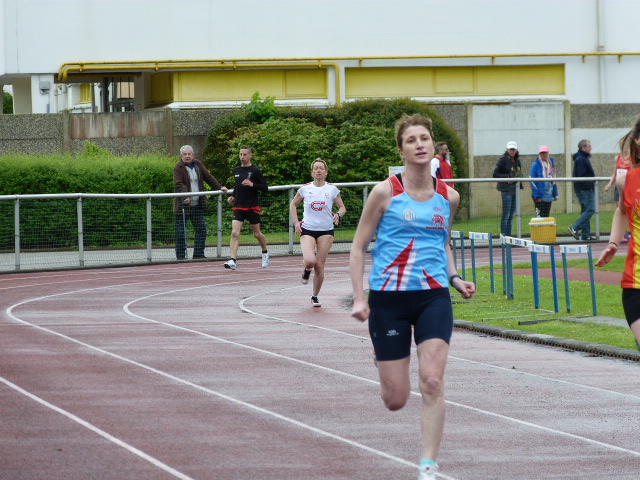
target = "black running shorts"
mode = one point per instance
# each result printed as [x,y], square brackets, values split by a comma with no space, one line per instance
[631,304]
[316,234]
[242,215]
[393,314]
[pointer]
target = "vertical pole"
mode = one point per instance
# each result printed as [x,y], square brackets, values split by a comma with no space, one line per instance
[149,232]
[597,208]
[593,283]
[454,242]
[473,260]
[464,271]
[491,272]
[566,281]
[510,287]
[536,286]
[504,266]
[518,209]
[16,228]
[291,229]
[219,228]
[554,278]
[80,233]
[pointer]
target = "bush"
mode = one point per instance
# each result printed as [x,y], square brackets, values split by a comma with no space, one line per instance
[48,222]
[358,141]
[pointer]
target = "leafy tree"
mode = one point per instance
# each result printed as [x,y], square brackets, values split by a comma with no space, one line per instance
[7,105]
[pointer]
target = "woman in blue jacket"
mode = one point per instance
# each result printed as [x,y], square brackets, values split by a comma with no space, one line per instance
[543,193]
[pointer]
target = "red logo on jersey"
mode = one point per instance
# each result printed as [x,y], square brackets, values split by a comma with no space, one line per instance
[438,220]
[318,206]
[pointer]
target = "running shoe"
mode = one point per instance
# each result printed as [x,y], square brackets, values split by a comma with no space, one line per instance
[265,260]
[230,264]
[429,473]
[305,276]
[315,302]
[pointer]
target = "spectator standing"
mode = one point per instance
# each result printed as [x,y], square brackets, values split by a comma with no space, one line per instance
[508,166]
[189,175]
[627,216]
[249,182]
[317,225]
[441,164]
[585,191]
[411,214]
[543,193]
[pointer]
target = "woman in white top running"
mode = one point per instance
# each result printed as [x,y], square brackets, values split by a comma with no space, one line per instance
[316,227]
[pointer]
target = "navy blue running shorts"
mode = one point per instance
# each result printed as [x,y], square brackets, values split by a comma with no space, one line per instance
[393,314]
[631,304]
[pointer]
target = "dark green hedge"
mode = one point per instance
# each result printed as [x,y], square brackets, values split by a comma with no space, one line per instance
[107,222]
[357,140]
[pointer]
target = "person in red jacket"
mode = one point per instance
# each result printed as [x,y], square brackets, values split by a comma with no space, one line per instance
[441,165]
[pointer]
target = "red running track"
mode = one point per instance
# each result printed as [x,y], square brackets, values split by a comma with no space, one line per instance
[192,371]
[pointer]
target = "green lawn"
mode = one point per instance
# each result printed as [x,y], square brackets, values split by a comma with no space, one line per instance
[496,309]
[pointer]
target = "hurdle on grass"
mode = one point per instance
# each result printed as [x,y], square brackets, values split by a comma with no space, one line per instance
[458,235]
[564,249]
[507,244]
[473,236]
[535,249]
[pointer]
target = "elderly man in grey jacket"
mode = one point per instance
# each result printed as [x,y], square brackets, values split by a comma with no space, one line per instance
[189,175]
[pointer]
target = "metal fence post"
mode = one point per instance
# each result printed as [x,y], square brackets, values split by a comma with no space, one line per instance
[149,232]
[80,233]
[16,227]
[519,209]
[291,228]
[219,228]
[597,208]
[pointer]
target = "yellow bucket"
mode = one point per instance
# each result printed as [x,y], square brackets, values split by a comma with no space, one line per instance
[543,230]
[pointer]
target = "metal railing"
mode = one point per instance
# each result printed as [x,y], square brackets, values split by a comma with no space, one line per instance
[69,230]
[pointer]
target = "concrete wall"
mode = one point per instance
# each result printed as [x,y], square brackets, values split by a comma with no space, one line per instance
[120,133]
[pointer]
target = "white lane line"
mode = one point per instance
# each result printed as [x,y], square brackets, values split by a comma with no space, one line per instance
[228,398]
[68,279]
[349,375]
[554,380]
[451,357]
[154,461]
[318,366]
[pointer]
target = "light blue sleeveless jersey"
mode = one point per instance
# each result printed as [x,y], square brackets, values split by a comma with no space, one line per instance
[409,253]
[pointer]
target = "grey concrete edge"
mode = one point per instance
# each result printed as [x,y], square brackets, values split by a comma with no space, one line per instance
[576,345]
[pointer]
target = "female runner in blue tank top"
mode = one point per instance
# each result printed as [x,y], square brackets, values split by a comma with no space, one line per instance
[412,267]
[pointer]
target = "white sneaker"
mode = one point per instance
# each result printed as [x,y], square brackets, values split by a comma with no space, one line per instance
[265,260]
[230,264]
[429,473]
